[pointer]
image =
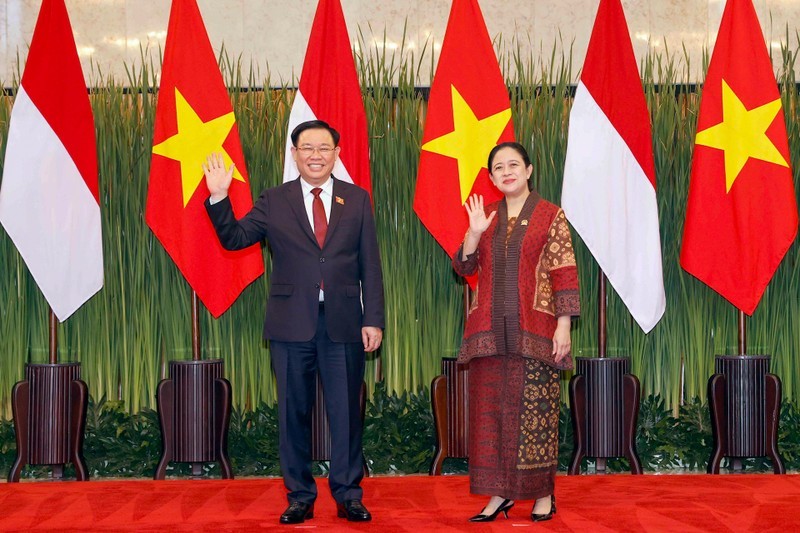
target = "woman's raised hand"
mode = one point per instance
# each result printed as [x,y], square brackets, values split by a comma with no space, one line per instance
[478,221]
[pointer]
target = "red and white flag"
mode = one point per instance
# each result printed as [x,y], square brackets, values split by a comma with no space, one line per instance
[49,199]
[329,91]
[609,189]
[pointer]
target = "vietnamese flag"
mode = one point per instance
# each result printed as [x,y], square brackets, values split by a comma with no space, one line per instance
[329,91]
[741,216]
[49,199]
[468,114]
[194,118]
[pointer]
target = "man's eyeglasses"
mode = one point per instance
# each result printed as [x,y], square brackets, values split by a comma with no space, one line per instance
[323,150]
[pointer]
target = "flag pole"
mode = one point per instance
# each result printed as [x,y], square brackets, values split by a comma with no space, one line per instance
[53,321]
[195,326]
[742,334]
[602,332]
[602,340]
[58,469]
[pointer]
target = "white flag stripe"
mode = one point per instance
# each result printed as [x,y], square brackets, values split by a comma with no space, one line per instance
[48,211]
[302,112]
[611,203]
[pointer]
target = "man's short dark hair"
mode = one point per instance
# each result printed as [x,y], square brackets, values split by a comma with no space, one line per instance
[314,125]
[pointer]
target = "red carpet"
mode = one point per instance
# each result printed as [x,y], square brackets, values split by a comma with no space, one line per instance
[673,503]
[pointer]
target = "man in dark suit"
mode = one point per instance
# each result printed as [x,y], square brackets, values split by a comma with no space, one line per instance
[325,307]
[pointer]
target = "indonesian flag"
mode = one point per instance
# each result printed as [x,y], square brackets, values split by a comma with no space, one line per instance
[609,189]
[194,118]
[468,114]
[741,216]
[49,199]
[329,91]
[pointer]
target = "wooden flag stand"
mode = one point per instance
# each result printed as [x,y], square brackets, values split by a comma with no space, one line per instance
[450,404]
[745,402]
[604,403]
[194,409]
[49,411]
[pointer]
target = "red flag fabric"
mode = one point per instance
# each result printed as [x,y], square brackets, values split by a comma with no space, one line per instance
[329,91]
[468,114]
[194,118]
[741,216]
[49,200]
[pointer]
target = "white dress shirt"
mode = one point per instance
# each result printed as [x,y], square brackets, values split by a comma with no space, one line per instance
[326,195]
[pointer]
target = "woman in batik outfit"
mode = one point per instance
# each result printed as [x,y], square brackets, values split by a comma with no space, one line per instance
[517,337]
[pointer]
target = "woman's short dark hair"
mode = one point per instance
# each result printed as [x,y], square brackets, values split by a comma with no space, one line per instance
[514,146]
[314,125]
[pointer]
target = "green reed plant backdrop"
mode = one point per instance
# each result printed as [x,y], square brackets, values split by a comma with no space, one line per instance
[126,334]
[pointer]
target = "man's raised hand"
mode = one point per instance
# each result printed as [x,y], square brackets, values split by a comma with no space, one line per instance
[218,180]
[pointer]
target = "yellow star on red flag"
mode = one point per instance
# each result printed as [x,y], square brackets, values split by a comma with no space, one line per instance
[470,141]
[735,236]
[194,118]
[194,141]
[468,114]
[742,134]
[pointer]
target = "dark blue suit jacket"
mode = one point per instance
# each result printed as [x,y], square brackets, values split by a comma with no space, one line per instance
[349,261]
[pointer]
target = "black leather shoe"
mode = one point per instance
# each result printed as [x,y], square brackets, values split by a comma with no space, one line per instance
[542,517]
[353,510]
[297,513]
[504,506]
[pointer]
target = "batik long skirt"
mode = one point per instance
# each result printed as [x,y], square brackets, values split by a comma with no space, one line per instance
[513,427]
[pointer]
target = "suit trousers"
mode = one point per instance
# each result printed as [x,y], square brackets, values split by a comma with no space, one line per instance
[341,371]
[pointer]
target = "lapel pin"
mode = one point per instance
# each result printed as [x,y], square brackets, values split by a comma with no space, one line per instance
[339,200]
[524,223]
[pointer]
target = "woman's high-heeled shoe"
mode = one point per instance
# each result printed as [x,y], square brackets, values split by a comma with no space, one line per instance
[542,517]
[502,508]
